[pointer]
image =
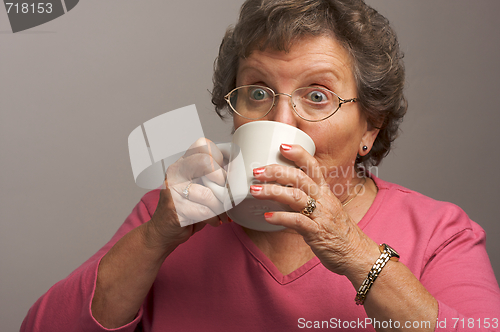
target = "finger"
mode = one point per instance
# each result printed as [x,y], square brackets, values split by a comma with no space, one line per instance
[198,225]
[201,195]
[224,218]
[214,221]
[293,197]
[206,146]
[296,221]
[288,176]
[203,158]
[194,167]
[194,212]
[305,161]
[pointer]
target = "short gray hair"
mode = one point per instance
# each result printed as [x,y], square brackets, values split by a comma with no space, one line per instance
[367,36]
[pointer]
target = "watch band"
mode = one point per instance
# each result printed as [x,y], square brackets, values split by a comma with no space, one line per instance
[387,253]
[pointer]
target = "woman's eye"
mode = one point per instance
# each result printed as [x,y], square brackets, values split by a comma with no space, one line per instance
[258,94]
[317,96]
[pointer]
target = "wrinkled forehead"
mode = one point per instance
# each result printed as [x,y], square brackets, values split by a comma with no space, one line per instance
[304,55]
[282,42]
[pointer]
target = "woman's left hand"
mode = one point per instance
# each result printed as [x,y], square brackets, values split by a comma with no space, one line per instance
[334,237]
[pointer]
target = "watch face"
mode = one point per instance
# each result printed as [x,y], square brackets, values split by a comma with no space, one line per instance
[391,251]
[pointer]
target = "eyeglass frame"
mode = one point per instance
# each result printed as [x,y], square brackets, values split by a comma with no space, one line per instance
[341,101]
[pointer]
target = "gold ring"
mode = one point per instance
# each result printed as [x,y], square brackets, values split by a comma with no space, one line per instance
[311,205]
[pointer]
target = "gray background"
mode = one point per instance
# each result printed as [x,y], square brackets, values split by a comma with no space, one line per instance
[73,89]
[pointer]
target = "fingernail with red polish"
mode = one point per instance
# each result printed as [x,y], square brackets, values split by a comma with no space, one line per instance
[286,147]
[256,188]
[258,171]
[220,222]
[268,215]
[230,220]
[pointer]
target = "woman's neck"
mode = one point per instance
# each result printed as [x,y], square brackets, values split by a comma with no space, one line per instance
[286,249]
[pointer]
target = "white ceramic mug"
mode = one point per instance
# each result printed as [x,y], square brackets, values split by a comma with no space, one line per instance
[255,144]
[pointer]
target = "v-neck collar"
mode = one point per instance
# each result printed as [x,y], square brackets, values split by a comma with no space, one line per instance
[269,266]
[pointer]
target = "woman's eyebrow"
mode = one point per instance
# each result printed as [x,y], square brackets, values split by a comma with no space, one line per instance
[250,73]
[321,76]
[322,71]
[246,67]
[326,69]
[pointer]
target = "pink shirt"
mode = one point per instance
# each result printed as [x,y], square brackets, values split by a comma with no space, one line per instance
[220,281]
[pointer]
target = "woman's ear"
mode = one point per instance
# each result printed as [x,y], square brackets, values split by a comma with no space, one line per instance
[368,139]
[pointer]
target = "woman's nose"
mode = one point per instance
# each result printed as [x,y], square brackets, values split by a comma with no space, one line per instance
[283,110]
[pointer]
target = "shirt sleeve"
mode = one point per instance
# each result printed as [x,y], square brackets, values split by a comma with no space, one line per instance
[66,305]
[459,275]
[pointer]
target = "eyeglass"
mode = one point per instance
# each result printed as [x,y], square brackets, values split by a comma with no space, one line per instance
[310,103]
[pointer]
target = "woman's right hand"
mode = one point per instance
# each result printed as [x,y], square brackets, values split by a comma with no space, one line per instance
[201,207]
[130,267]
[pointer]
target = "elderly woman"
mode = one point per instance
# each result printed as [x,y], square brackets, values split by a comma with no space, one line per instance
[376,257]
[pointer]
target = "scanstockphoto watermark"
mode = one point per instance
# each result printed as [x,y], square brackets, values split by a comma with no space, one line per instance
[367,323]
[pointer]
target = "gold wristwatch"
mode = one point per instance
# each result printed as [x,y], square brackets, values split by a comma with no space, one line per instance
[386,253]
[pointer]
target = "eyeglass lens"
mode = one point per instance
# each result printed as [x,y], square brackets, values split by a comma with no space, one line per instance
[312,103]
